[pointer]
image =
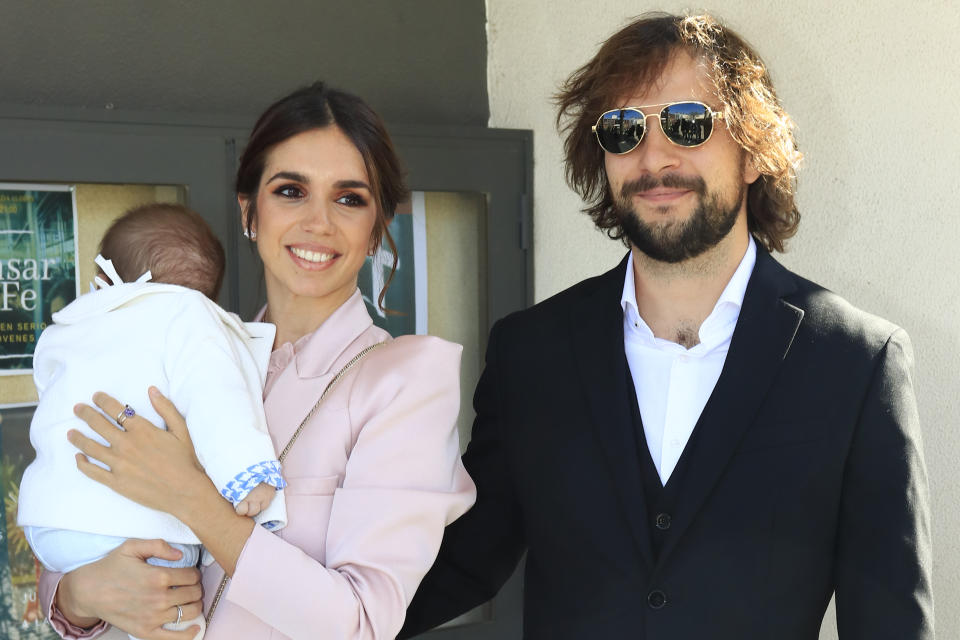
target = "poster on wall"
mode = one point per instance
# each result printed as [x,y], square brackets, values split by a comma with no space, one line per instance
[404,309]
[20,615]
[38,266]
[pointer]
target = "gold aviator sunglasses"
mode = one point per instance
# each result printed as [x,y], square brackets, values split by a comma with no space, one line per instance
[685,124]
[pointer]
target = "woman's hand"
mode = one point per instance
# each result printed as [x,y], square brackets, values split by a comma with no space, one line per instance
[125,591]
[156,468]
[159,469]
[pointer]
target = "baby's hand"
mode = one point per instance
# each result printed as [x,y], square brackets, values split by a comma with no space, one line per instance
[256,501]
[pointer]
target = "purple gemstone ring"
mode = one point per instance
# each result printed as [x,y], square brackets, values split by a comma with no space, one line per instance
[127,412]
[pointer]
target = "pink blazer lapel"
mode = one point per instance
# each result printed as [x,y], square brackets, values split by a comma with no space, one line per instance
[299,385]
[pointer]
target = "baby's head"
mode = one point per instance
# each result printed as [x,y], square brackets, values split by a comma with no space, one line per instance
[172,242]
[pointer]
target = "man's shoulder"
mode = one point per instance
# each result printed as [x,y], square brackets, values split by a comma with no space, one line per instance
[829,316]
[554,311]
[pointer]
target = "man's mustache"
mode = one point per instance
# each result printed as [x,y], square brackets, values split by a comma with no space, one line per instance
[669,181]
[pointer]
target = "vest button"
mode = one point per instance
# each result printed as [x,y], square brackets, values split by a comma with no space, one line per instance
[657,599]
[663,521]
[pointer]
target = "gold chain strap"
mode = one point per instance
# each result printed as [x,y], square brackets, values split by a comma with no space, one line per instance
[286,450]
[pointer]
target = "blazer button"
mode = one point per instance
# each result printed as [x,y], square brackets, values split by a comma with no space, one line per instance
[663,521]
[657,599]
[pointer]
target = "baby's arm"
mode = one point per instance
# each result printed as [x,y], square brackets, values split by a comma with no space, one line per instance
[215,384]
[257,500]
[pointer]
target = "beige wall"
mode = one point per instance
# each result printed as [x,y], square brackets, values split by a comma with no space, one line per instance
[874,89]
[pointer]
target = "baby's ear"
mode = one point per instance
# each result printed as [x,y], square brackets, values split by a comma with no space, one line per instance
[99,277]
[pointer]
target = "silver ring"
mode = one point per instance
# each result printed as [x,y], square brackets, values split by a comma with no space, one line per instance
[179,615]
[127,412]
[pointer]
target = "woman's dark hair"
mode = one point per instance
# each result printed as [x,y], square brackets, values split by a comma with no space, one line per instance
[635,57]
[315,107]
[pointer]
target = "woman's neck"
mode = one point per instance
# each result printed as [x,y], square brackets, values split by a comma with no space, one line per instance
[296,316]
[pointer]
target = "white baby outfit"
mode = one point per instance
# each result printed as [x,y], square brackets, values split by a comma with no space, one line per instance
[121,339]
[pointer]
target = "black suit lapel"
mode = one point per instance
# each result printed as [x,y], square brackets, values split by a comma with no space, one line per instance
[764,332]
[597,340]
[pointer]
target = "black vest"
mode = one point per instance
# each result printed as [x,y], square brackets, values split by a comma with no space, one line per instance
[660,499]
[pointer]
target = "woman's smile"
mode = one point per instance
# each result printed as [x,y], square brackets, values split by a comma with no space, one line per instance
[313,259]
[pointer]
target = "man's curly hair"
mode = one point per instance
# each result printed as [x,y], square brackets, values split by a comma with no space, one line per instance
[636,56]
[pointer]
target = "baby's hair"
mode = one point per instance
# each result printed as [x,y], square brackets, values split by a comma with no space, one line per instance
[171,241]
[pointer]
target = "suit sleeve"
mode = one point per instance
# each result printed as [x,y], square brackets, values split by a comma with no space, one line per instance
[884,560]
[46,589]
[480,550]
[403,484]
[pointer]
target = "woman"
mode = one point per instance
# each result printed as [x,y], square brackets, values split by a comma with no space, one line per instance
[375,474]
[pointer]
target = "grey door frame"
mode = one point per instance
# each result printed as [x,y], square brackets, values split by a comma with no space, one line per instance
[76,146]
[200,151]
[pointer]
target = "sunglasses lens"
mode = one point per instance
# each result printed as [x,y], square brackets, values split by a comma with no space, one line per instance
[620,130]
[687,124]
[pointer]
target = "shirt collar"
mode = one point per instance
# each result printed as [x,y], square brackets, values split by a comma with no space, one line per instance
[725,312]
[316,352]
[628,302]
[735,290]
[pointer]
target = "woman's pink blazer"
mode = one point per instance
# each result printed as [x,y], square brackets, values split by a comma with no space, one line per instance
[372,481]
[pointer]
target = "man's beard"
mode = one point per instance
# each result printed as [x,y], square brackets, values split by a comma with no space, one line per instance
[674,241]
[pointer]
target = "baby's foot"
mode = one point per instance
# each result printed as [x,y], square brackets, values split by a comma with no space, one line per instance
[256,501]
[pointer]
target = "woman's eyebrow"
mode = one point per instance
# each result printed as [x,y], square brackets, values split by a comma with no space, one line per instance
[288,175]
[352,184]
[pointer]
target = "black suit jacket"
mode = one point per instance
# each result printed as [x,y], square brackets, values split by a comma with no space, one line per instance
[807,478]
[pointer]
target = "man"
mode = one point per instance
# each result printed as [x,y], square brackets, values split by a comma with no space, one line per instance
[698,444]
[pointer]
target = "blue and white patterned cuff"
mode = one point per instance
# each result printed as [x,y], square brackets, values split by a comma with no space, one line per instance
[243,483]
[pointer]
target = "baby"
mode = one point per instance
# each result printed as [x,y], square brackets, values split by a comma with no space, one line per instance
[150,321]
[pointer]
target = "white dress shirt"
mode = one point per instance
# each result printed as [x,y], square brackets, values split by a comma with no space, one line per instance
[673,383]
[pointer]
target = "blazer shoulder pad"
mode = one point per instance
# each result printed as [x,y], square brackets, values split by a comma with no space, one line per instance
[831,316]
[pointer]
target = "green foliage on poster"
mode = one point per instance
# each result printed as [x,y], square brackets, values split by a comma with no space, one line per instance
[20,615]
[38,271]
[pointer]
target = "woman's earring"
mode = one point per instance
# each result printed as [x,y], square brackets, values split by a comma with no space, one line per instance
[250,235]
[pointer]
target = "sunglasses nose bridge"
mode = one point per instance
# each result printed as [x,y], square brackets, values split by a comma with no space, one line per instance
[656,115]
